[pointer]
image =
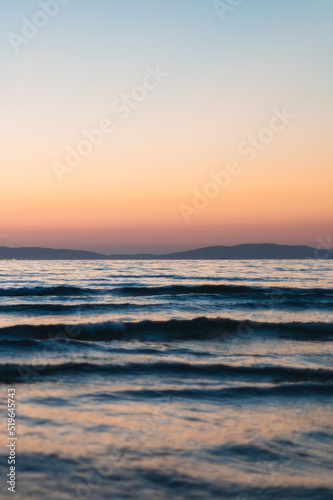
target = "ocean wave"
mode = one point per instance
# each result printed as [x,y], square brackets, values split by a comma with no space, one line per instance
[280,382]
[270,372]
[40,291]
[83,308]
[231,393]
[202,328]
[275,294]
[273,374]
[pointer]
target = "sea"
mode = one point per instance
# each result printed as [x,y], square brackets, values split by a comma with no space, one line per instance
[168,379]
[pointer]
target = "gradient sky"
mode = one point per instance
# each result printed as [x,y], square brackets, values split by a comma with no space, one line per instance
[225,78]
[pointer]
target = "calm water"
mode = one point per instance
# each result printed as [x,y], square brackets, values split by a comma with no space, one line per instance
[159,380]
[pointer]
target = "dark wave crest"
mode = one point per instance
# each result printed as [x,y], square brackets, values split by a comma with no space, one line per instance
[83,308]
[273,292]
[273,374]
[177,330]
[40,291]
[270,373]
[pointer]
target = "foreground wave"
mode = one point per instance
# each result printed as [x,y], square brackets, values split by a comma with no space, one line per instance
[210,289]
[40,291]
[202,328]
[270,373]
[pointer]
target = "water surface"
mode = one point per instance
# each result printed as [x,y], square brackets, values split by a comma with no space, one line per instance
[170,379]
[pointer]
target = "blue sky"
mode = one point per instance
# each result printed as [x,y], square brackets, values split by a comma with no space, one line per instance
[225,77]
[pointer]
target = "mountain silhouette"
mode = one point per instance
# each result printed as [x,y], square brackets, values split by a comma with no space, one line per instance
[245,251]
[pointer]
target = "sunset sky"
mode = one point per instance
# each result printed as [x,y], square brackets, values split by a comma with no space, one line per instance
[182,89]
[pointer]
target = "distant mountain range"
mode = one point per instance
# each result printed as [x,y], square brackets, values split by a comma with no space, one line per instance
[246,251]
